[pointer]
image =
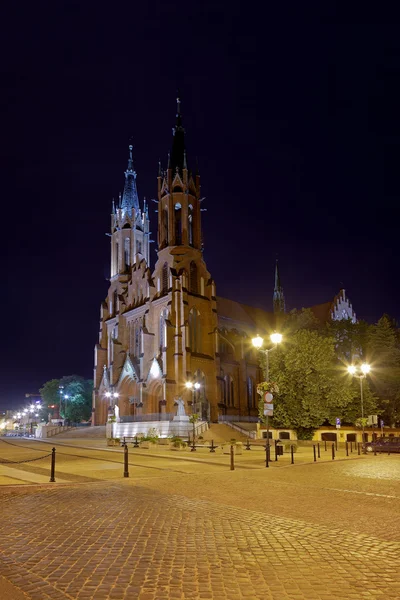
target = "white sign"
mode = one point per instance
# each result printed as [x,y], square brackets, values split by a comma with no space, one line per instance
[268,397]
[373,420]
[268,413]
[268,406]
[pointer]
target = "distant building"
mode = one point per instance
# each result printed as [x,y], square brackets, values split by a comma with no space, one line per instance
[164,328]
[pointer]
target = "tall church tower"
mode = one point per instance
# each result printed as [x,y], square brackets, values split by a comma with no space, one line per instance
[184,283]
[279,298]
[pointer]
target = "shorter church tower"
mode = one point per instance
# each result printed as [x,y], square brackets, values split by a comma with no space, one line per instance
[129,288]
[279,298]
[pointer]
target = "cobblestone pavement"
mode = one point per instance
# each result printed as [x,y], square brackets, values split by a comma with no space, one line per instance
[122,541]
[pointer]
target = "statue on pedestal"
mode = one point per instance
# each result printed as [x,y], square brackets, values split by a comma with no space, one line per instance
[180,413]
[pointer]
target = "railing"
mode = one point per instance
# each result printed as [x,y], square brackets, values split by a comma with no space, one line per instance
[201,427]
[147,417]
[237,419]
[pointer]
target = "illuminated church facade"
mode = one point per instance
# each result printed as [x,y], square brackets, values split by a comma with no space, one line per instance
[164,329]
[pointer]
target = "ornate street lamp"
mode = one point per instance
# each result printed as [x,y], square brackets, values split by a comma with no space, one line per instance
[276,338]
[365,368]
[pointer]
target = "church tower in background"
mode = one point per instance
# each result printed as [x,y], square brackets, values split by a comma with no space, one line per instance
[279,298]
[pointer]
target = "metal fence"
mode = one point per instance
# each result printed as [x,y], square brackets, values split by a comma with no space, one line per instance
[237,419]
[147,417]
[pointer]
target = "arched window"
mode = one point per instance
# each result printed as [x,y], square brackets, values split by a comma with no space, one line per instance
[178,224]
[194,331]
[163,329]
[190,225]
[127,252]
[138,247]
[116,257]
[193,278]
[164,278]
[250,392]
[115,302]
[228,390]
[138,339]
[166,226]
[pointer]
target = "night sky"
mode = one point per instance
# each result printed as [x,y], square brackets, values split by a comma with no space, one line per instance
[295,122]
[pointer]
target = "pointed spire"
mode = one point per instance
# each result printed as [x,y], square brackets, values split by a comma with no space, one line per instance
[113,207]
[279,298]
[178,145]
[130,197]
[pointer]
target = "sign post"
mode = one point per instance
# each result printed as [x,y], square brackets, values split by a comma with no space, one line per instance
[338,423]
[268,412]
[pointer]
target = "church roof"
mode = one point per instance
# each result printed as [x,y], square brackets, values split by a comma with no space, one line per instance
[130,198]
[322,311]
[177,160]
[242,316]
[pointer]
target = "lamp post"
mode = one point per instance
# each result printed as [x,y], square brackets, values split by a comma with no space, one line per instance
[258,342]
[365,369]
[195,388]
[60,390]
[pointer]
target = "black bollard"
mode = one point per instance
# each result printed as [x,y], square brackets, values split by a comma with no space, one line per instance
[319,451]
[374,449]
[325,445]
[267,454]
[347,448]
[359,448]
[126,466]
[292,454]
[232,458]
[53,465]
[333,451]
[351,447]
[247,447]
[315,454]
[276,450]
[193,448]
[212,447]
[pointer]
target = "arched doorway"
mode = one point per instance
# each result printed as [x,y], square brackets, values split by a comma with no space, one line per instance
[129,397]
[153,399]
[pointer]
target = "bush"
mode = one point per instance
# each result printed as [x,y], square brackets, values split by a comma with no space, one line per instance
[305,433]
[177,442]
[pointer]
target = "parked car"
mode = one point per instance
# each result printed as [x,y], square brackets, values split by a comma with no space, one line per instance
[384,444]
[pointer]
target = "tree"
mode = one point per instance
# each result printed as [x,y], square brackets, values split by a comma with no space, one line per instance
[313,385]
[50,393]
[77,406]
[384,354]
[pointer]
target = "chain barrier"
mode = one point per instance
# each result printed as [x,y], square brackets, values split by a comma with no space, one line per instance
[19,446]
[18,462]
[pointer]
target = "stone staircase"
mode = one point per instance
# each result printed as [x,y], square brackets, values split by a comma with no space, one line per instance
[222,433]
[99,431]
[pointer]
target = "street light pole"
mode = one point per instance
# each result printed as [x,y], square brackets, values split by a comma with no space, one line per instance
[257,342]
[365,369]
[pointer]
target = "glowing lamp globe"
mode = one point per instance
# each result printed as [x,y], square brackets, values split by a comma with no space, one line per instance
[365,368]
[196,386]
[352,369]
[189,385]
[276,338]
[257,342]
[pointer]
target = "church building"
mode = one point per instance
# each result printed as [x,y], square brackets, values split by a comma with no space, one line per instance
[164,332]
